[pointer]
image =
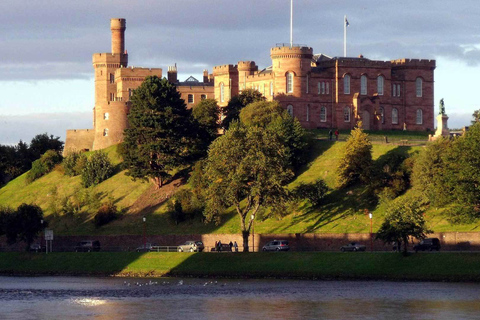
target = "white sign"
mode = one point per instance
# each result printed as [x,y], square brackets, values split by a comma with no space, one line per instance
[48,234]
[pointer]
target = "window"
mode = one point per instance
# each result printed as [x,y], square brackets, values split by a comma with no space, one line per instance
[394,90]
[380,82]
[112,96]
[271,88]
[323,87]
[130,92]
[112,78]
[222,92]
[319,87]
[346,114]
[326,87]
[323,114]
[105,132]
[363,84]
[308,112]
[190,98]
[346,85]
[289,82]
[290,110]
[382,115]
[418,86]
[308,83]
[105,116]
[394,116]
[203,97]
[398,90]
[419,116]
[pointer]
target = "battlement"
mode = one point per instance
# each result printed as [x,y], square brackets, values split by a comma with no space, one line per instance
[226,68]
[118,23]
[138,72]
[110,58]
[359,62]
[291,52]
[247,66]
[414,63]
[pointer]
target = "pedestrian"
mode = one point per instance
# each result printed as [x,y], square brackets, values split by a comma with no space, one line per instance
[336,134]
[219,246]
[330,135]
[235,245]
[231,245]
[216,246]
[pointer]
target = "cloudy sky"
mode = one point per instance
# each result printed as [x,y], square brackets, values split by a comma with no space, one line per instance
[46,73]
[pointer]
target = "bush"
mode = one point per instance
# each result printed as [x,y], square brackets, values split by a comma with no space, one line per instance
[38,170]
[74,163]
[106,214]
[184,205]
[44,165]
[97,169]
[313,192]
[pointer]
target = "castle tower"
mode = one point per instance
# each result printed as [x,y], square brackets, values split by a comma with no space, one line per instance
[245,69]
[110,111]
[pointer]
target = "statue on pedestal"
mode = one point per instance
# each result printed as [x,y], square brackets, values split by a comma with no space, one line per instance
[442,107]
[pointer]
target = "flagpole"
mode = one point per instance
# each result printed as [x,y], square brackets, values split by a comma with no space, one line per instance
[291,23]
[345,36]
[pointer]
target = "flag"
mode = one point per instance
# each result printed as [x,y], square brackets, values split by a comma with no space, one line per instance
[346,22]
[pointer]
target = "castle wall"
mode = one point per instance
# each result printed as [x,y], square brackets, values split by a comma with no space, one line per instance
[79,140]
[111,120]
[197,92]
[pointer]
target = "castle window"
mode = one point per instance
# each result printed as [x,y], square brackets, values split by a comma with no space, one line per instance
[418,86]
[380,82]
[308,112]
[190,98]
[308,83]
[326,88]
[394,90]
[290,110]
[271,88]
[323,87]
[112,78]
[382,115]
[105,132]
[319,88]
[203,97]
[323,114]
[363,84]
[105,116]
[346,84]
[112,96]
[130,92]
[398,90]
[419,116]
[289,82]
[222,92]
[346,114]
[394,116]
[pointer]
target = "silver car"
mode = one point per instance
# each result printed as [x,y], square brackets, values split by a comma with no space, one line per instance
[191,246]
[353,247]
[276,245]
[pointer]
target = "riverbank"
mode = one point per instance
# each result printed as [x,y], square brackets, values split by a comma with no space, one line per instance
[441,266]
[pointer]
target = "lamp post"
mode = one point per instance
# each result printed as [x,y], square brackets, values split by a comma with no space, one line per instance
[41,237]
[144,233]
[253,233]
[371,234]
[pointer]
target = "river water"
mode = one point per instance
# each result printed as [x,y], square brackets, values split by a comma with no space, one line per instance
[185,299]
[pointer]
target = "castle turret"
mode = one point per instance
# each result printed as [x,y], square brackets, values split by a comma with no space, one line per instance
[118,26]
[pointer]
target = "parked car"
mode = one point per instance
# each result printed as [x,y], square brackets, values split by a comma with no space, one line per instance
[429,244]
[353,247]
[191,246]
[144,247]
[35,247]
[276,245]
[87,246]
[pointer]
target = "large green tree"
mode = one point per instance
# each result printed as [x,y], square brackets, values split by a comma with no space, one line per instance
[24,224]
[162,135]
[232,111]
[207,114]
[246,168]
[404,219]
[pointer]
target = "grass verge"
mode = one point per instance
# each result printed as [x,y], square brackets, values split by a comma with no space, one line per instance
[444,266]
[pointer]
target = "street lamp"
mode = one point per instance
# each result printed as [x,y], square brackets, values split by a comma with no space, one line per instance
[253,233]
[371,234]
[41,237]
[144,233]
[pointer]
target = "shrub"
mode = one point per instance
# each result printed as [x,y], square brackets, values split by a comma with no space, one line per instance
[97,169]
[38,170]
[313,192]
[184,205]
[44,165]
[74,163]
[106,213]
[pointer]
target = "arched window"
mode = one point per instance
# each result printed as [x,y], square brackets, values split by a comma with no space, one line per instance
[382,115]
[419,116]
[289,82]
[112,78]
[394,116]
[190,98]
[363,84]
[419,87]
[105,132]
[323,114]
[290,110]
[380,82]
[105,116]
[308,112]
[271,88]
[222,92]
[323,87]
[346,84]
[346,114]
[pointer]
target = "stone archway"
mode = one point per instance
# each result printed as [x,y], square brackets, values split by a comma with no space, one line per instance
[366,120]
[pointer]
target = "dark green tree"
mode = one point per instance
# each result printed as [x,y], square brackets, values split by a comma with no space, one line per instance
[43,142]
[25,224]
[356,164]
[246,168]
[404,219]
[232,110]
[207,114]
[162,135]
[98,168]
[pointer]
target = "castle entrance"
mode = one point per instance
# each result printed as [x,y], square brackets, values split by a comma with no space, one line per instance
[366,120]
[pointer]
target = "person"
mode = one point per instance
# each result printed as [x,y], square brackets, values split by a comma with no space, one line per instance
[231,245]
[330,135]
[216,246]
[336,134]
[219,246]
[235,245]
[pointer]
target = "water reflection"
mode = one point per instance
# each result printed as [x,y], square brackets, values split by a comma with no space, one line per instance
[108,298]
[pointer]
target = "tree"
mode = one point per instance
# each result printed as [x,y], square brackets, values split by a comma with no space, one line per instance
[43,142]
[162,135]
[25,224]
[207,114]
[356,164]
[232,110]
[476,116]
[247,168]
[403,219]
[98,168]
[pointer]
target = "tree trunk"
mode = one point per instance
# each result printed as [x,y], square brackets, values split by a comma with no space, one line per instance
[245,235]
[405,246]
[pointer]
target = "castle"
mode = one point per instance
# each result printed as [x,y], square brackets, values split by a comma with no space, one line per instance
[320,91]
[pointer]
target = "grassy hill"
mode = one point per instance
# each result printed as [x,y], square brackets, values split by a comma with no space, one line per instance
[342,212]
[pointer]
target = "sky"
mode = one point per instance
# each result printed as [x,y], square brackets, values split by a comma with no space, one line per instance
[46,73]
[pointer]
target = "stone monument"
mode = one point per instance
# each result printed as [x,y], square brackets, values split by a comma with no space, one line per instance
[442,118]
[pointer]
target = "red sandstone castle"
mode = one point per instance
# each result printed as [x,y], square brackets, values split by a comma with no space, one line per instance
[322,92]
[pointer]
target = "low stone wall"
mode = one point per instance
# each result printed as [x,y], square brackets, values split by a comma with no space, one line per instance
[450,241]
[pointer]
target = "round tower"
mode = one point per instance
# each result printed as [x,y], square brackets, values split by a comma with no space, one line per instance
[290,67]
[118,26]
[245,69]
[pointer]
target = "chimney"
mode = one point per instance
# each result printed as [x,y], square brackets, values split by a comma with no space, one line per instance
[205,76]
[172,74]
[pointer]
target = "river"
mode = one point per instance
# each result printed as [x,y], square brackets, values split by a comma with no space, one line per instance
[185,299]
